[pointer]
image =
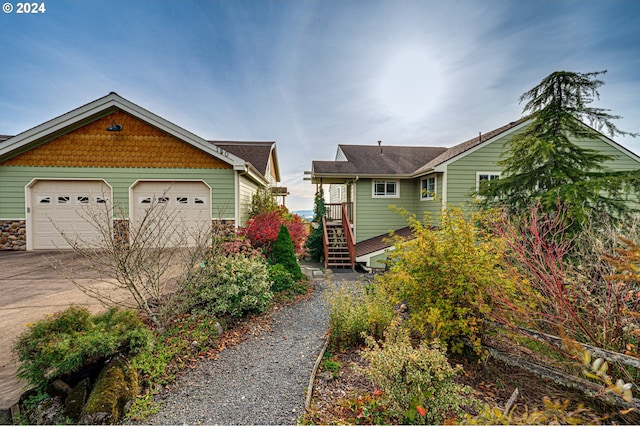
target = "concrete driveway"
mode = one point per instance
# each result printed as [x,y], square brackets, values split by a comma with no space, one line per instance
[29,290]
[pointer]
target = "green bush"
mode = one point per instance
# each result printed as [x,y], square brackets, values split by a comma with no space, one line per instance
[446,277]
[282,281]
[74,338]
[231,285]
[284,253]
[417,384]
[354,310]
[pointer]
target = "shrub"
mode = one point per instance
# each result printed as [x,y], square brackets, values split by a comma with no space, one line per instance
[356,310]
[231,285]
[284,255]
[580,296]
[74,338]
[446,277]
[262,202]
[417,384]
[282,281]
[263,230]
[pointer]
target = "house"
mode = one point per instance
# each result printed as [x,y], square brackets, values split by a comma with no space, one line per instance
[114,151]
[365,180]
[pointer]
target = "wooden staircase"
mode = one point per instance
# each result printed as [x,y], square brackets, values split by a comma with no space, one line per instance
[339,243]
[337,249]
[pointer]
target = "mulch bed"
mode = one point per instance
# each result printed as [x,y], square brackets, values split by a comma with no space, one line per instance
[493,382]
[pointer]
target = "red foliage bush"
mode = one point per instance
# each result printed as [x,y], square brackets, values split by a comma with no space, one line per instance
[262,229]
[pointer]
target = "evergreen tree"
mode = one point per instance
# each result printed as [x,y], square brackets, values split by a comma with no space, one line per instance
[314,244]
[283,253]
[546,162]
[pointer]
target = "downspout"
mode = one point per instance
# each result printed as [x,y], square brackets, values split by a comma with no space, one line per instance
[237,198]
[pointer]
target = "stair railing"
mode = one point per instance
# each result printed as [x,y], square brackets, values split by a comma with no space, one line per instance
[348,232]
[325,242]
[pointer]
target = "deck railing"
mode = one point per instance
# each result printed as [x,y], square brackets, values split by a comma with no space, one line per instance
[335,211]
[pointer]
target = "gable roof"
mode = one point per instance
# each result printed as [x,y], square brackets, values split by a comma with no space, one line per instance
[258,154]
[463,147]
[99,108]
[375,160]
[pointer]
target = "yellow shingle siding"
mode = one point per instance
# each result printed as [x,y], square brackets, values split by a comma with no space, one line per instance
[138,145]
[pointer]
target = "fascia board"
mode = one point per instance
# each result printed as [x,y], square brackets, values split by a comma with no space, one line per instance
[180,133]
[443,166]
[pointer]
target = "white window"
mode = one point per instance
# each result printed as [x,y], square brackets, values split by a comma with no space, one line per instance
[163,200]
[199,200]
[82,199]
[44,199]
[482,177]
[428,188]
[144,200]
[63,199]
[182,200]
[385,188]
[101,200]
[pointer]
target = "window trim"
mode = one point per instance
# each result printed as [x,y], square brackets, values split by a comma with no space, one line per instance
[478,174]
[386,182]
[425,196]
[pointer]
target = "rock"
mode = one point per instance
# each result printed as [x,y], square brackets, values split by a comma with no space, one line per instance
[58,388]
[49,411]
[115,389]
[218,328]
[325,376]
[76,398]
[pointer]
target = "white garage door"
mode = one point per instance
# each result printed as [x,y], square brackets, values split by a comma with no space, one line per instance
[64,207]
[185,209]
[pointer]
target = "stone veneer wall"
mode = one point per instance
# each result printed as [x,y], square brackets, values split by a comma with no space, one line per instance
[13,235]
[13,232]
[223,228]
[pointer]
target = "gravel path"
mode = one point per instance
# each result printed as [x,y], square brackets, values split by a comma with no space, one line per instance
[261,380]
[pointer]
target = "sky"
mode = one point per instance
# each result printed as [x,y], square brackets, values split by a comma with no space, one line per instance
[312,74]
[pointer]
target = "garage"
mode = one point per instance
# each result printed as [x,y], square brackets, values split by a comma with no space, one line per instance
[186,205]
[60,207]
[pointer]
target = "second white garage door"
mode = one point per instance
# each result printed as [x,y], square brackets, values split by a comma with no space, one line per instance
[187,206]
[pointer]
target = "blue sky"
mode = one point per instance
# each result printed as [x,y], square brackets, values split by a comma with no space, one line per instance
[313,74]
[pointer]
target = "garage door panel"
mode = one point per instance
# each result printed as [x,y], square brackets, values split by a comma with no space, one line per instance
[69,207]
[185,207]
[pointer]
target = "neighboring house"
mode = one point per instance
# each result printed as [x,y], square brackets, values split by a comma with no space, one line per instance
[112,150]
[368,179]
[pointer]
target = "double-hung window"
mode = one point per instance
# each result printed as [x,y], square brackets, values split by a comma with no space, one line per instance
[428,188]
[385,188]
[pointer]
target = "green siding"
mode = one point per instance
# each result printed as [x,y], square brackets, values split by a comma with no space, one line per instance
[374,216]
[461,173]
[13,181]
[432,207]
